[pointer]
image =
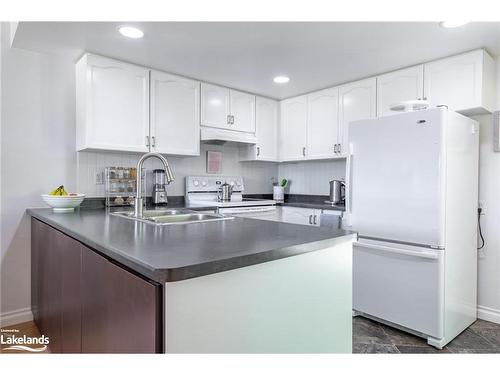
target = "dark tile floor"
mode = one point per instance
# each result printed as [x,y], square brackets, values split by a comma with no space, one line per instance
[372,337]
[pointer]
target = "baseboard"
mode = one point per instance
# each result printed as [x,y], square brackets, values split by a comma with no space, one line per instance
[16,317]
[489,314]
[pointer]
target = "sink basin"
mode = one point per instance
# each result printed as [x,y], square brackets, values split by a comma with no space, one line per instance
[172,217]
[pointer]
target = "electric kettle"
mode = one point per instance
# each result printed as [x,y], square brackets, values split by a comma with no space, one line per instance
[225,192]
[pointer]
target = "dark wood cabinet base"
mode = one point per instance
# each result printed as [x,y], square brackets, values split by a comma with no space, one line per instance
[85,303]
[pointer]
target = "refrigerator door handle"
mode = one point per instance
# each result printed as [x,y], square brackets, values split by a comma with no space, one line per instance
[393,250]
[347,185]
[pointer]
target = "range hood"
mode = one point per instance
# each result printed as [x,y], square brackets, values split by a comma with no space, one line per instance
[222,136]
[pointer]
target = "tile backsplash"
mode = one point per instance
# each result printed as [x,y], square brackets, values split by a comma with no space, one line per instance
[257,175]
[312,177]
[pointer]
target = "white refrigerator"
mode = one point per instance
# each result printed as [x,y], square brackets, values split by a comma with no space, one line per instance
[412,197]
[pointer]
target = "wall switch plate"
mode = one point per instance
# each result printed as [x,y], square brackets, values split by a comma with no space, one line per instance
[99,178]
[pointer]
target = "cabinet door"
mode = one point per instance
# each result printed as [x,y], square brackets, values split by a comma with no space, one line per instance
[293,123]
[116,105]
[322,123]
[70,252]
[267,129]
[357,101]
[134,313]
[398,86]
[242,109]
[214,106]
[175,114]
[297,215]
[47,283]
[94,302]
[121,312]
[456,81]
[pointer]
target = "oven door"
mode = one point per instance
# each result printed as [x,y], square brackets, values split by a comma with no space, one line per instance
[402,284]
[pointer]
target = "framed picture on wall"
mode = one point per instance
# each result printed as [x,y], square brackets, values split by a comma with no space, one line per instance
[214,162]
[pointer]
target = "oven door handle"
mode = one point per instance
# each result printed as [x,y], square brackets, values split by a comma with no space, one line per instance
[394,250]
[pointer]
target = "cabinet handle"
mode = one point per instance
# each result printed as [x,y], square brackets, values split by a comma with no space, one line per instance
[147,141]
[232,120]
[425,98]
[340,148]
[335,147]
[303,151]
[258,150]
[153,139]
[310,219]
[315,219]
[229,119]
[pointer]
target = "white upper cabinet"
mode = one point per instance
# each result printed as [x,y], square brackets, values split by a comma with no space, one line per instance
[357,101]
[215,101]
[465,83]
[323,124]
[266,149]
[175,114]
[242,110]
[112,105]
[227,109]
[293,122]
[398,86]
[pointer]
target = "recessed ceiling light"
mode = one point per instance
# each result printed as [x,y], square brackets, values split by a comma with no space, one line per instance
[281,79]
[452,24]
[131,32]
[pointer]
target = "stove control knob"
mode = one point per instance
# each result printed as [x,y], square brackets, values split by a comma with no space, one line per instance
[196,182]
[204,183]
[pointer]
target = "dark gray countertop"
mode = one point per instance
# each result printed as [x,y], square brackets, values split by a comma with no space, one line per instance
[178,252]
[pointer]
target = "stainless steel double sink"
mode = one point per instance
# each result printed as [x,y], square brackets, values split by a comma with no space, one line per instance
[172,217]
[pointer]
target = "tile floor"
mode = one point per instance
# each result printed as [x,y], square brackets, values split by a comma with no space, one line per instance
[373,337]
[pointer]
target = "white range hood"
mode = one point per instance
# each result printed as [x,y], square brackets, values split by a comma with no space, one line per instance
[221,136]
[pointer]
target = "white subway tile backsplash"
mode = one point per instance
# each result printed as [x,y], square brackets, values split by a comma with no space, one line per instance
[309,177]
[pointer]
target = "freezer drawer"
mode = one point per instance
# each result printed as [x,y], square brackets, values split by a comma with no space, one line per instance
[399,283]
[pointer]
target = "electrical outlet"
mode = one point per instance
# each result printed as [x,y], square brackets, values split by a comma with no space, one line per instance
[99,178]
[480,205]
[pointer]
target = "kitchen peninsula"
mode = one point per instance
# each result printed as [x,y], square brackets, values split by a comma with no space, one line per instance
[232,286]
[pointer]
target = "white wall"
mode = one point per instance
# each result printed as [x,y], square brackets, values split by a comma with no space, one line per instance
[257,175]
[312,177]
[37,153]
[489,256]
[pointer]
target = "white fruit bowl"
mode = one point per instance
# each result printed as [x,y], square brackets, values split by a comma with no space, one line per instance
[63,203]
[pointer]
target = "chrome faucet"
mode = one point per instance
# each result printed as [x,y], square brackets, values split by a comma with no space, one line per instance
[169,177]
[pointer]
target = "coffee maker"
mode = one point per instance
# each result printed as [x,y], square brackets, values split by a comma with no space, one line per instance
[159,195]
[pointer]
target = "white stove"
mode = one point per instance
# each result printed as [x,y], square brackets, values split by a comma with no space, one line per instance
[204,190]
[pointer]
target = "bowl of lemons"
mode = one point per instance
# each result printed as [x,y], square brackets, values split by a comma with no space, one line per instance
[62,201]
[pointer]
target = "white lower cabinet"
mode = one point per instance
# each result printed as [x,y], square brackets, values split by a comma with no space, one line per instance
[299,215]
[112,105]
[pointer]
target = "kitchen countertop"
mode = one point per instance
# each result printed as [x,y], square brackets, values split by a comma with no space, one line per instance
[178,252]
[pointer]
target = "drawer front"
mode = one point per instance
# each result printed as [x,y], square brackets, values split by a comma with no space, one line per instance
[401,284]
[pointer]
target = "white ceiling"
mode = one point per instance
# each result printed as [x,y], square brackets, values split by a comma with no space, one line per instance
[248,55]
